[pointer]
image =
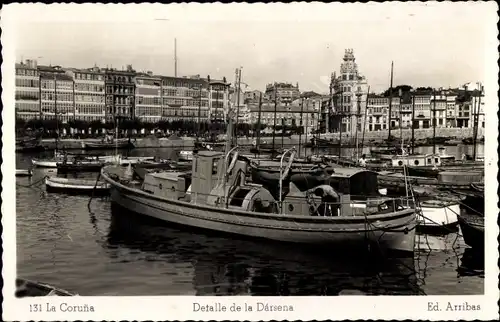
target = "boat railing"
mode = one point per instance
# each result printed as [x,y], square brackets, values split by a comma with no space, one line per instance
[284,172]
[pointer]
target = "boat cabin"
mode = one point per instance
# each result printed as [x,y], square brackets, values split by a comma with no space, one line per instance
[351,190]
[416,160]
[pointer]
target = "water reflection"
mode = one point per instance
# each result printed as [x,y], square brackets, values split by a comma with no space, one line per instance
[224,266]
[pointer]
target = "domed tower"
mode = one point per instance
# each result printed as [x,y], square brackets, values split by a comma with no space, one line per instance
[353,88]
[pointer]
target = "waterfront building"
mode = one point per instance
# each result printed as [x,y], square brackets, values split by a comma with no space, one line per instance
[57,94]
[27,104]
[184,98]
[289,114]
[89,94]
[148,97]
[351,90]
[120,93]
[219,100]
[284,92]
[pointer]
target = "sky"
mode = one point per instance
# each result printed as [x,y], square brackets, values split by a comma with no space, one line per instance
[439,45]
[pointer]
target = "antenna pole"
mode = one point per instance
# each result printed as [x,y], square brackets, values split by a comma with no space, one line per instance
[175,57]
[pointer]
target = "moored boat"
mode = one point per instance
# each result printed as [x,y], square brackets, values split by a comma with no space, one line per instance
[23,173]
[472,227]
[216,196]
[111,144]
[438,216]
[76,186]
[27,288]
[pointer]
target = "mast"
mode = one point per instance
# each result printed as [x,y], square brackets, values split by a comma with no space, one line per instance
[364,120]
[413,124]
[275,107]
[390,101]
[175,57]
[301,125]
[476,120]
[358,114]
[434,124]
[257,145]
[199,115]
[55,111]
[238,104]
[341,114]
[319,124]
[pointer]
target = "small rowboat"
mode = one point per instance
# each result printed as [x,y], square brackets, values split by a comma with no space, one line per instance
[26,288]
[23,173]
[76,186]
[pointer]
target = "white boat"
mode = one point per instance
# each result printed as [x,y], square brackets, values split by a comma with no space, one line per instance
[439,214]
[23,173]
[46,163]
[27,288]
[72,185]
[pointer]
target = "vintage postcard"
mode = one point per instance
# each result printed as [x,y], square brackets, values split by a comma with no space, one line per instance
[301,161]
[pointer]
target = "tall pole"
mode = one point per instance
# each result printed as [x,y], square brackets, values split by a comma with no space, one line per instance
[341,113]
[275,107]
[301,125]
[476,120]
[390,101]
[364,120]
[413,124]
[238,105]
[258,123]
[319,125]
[307,123]
[55,110]
[199,115]
[434,124]
[175,57]
[358,114]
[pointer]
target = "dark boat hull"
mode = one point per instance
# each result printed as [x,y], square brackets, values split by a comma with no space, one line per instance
[78,191]
[472,231]
[26,288]
[71,168]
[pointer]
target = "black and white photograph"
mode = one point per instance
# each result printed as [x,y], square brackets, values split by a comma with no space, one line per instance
[269,151]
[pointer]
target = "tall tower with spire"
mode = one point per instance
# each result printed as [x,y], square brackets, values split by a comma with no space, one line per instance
[352,87]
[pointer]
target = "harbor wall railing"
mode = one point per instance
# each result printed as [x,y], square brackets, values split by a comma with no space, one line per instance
[188,142]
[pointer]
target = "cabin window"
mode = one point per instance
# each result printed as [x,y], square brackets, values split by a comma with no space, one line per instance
[215,165]
[400,162]
[290,207]
[436,160]
[416,162]
[173,188]
[160,186]
[429,161]
[195,165]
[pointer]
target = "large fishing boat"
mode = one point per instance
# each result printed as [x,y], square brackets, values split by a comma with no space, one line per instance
[216,196]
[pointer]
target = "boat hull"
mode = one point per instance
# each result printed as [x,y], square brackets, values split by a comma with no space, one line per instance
[439,220]
[472,231]
[44,163]
[76,188]
[397,234]
[106,146]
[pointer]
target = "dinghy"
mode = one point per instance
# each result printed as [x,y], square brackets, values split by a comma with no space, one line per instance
[27,288]
[23,173]
[76,186]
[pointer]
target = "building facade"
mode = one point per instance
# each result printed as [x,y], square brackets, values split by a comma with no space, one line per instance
[350,89]
[184,98]
[89,94]
[27,90]
[148,97]
[285,93]
[120,93]
[57,94]
[219,100]
[301,111]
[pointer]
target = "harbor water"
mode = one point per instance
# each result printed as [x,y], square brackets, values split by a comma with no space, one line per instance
[96,249]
